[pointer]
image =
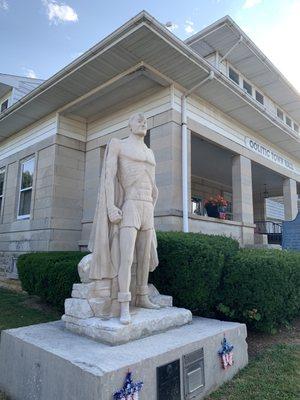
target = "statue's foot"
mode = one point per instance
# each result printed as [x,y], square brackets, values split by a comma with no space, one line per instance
[143,301]
[125,317]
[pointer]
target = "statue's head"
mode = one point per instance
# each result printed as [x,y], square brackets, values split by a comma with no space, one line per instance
[138,124]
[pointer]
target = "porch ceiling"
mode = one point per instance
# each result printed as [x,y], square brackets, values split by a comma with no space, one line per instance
[210,161]
[215,163]
[262,176]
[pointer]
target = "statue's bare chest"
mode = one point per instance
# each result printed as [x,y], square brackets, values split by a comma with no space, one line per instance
[136,155]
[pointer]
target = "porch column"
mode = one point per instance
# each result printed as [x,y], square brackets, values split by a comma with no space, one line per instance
[290,199]
[242,200]
[165,141]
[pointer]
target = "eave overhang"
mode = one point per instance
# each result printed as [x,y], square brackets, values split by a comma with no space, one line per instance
[143,40]
[249,60]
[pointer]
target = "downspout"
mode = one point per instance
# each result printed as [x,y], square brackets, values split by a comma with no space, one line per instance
[184,155]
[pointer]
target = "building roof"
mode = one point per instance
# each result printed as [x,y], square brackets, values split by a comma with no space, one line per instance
[21,84]
[146,51]
[221,36]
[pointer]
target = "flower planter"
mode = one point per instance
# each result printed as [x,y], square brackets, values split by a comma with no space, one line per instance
[216,207]
[212,210]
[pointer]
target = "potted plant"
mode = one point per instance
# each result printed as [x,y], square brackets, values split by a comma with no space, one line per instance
[211,208]
[216,207]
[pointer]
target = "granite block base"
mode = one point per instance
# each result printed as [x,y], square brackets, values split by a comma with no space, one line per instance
[48,362]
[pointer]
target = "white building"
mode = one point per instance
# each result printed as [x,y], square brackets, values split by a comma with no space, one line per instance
[222,120]
[13,88]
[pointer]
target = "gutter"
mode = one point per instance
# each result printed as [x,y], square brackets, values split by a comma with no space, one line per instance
[184,155]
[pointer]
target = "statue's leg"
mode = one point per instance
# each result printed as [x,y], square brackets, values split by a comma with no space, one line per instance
[143,248]
[127,245]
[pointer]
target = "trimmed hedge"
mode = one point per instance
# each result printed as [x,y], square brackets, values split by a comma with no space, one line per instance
[190,268]
[207,274]
[49,275]
[261,288]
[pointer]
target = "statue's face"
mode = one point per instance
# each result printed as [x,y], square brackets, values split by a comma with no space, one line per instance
[138,125]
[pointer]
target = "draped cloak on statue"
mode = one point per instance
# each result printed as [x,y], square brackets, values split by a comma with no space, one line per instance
[104,238]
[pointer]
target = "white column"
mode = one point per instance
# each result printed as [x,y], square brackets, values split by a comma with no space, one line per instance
[242,201]
[184,166]
[290,199]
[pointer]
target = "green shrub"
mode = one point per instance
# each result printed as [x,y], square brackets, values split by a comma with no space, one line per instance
[49,275]
[261,288]
[190,268]
[207,274]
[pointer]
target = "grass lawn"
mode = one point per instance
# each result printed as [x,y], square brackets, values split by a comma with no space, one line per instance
[18,309]
[273,375]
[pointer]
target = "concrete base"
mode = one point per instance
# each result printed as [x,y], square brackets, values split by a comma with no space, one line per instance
[144,322]
[48,362]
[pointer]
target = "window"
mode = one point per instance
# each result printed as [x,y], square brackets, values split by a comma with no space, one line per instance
[4,105]
[259,97]
[247,87]
[27,170]
[2,175]
[296,127]
[288,121]
[234,76]
[279,114]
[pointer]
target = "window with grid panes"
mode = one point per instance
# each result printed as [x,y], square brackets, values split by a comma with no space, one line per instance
[27,170]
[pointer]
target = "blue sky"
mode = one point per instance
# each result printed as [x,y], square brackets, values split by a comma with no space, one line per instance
[39,37]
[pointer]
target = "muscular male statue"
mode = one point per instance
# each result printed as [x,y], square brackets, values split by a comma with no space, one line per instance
[124,222]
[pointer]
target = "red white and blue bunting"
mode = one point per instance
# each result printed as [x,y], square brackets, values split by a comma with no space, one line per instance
[226,354]
[130,390]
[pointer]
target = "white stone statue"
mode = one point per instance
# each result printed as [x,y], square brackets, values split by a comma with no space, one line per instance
[123,251]
[124,217]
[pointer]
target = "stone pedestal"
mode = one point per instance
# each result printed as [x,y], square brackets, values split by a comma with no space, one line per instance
[94,311]
[144,322]
[48,362]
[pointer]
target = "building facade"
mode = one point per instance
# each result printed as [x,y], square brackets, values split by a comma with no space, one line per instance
[222,120]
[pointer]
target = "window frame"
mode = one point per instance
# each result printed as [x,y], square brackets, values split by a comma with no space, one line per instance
[296,127]
[235,72]
[257,92]
[22,162]
[279,111]
[249,84]
[287,118]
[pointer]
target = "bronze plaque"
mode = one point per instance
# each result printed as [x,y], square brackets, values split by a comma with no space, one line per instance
[168,381]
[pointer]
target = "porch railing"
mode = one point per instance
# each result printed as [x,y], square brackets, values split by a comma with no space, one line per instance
[270,228]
